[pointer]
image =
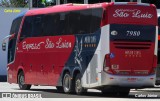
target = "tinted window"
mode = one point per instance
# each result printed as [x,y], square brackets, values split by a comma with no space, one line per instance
[96,19]
[12,42]
[65,23]
[50,24]
[26,28]
[85,21]
[56,24]
[32,27]
[15,26]
[37,26]
[74,22]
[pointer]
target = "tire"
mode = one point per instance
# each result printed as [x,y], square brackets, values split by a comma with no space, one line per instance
[21,82]
[67,83]
[78,85]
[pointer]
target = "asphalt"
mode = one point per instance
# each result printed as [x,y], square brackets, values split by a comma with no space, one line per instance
[51,92]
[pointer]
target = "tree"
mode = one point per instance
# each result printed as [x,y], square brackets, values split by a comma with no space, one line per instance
[14,3]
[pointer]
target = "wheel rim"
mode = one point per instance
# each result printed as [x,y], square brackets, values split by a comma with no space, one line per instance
[78,86]
[21,80]
[66,83]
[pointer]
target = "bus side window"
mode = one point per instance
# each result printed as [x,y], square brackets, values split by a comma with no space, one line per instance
[26,28]
[74,22]
[50,24]
[85,19]
[37,26]
[64,23]
[96,19]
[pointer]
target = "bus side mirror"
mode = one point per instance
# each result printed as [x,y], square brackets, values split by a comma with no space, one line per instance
[4,46]
[5,40]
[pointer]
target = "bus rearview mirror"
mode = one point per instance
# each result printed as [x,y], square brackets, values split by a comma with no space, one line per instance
[5,40]
[4,46]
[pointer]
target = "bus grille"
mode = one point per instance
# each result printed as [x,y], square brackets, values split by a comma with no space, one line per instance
[132,45]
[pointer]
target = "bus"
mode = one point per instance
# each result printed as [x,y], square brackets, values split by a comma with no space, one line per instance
[111,47]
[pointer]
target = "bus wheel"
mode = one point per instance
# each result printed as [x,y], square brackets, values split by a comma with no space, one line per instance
[21,82]
[67,83]
[78,86]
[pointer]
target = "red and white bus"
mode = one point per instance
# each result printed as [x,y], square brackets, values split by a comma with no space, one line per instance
[107,46]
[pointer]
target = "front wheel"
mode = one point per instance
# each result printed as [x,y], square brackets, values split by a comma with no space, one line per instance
[21,82]
[78,85]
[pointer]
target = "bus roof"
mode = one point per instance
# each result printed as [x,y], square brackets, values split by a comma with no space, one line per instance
[64,8]
[72,7]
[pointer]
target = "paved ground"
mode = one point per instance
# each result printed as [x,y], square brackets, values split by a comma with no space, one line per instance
[94,95]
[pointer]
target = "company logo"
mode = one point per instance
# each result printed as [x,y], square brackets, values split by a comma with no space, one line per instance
[48,44]
[6,95]
[21,95]
[131,53]
[135,13]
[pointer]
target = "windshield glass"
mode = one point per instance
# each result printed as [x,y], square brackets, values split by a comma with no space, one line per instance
[12,42]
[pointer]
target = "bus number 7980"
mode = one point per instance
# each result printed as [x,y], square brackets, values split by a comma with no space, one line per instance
[133,33]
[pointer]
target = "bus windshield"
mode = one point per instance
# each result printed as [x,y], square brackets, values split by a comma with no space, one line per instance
[12,42]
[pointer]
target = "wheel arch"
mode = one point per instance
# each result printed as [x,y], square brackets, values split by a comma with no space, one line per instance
[75,72]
